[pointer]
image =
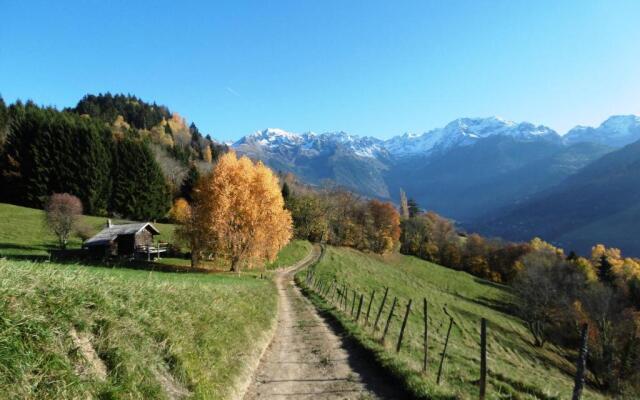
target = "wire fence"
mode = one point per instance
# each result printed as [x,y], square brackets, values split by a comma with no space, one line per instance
[386,321]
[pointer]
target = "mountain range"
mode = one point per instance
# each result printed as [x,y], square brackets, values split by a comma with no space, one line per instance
[483,172]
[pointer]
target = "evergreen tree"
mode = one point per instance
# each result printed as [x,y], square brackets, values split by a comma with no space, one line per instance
[605,271]
[286,192]
[4,121]
[189,182]
[139,188]
[52,152]
[414,208]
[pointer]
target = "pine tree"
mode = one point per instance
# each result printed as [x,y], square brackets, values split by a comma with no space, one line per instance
[48,151]
[605,271]
[286,192]
[189,182]
[139,188]
[414,208]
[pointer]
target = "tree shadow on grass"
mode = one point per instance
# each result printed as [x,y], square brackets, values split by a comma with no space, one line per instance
[24,252]
[503,307]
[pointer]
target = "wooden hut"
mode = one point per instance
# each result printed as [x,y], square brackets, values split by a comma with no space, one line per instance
[128,240]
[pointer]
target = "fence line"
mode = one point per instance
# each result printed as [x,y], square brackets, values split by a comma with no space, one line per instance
[337,294]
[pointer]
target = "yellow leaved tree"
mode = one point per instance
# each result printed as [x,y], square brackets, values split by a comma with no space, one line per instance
[237,214]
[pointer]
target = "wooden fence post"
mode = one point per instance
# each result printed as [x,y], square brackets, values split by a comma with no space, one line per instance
[335,291]
[366,319]
[359,308]
[386,327]
[404,325]
[444,351]
[582,362]
[483,358]
[426,335]
[384,299]
[353,303]
[345,297]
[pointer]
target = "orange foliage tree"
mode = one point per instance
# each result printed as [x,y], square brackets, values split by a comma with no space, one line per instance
[238,214]
[384,234]
[180,211]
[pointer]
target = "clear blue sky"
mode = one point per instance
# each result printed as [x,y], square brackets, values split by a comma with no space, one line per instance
[375,68]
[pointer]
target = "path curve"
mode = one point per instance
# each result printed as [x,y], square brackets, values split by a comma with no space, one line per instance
[307,358]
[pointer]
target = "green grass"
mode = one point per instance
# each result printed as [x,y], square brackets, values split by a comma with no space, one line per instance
[23,233]
[295,251]
[518,370]
[194,330]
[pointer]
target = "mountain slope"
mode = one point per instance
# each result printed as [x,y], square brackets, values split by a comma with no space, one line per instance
[598,203]
[616,131]
[354,162]
[518,370]
[466,170]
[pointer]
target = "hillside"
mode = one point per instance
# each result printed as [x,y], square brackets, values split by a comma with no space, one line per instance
[517,369]
[598,204]
[23,233]
[78,332]
[466,182]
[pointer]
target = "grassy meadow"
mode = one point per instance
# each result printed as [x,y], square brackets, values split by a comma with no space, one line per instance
[23,232]
[517,369]
[75,331]
[157,335]
[293,252]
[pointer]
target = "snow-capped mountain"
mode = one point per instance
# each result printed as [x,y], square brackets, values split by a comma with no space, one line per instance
[309,144]
[461,132]
[616,131]
[466,131]
[447,169]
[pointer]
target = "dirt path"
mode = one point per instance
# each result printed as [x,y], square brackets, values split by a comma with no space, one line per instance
[307,359]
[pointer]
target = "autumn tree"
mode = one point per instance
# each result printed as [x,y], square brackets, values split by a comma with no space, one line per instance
[404,205]
[180,211]
[309,214]
[384,231]
[207,156]
[62,213]
[238,214]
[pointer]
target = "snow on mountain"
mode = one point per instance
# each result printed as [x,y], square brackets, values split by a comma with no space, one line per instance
[465,131]
[616,131]
[270,137]
[309,143]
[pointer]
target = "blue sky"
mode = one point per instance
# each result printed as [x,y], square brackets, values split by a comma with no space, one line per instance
[376,68]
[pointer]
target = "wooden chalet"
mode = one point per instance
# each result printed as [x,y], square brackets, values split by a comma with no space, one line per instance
[126,240]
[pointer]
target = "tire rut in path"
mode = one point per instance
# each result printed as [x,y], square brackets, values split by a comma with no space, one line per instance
[308,359]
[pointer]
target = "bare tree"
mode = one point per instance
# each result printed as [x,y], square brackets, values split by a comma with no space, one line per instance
[61,215]
[543,289]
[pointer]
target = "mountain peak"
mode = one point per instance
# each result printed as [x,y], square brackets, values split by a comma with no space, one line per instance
[615,131]
[620,123]
[464,131]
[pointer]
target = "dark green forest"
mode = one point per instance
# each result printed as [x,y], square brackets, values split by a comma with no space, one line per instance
[119,155]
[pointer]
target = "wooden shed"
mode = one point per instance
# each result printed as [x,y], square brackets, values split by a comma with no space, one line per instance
[124,240]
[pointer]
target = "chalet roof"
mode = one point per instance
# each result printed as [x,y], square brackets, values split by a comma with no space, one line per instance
[110,233]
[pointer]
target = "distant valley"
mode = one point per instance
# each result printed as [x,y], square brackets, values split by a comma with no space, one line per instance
[486,173]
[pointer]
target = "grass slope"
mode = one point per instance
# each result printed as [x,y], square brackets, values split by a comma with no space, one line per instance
[295,251]
[517,368]
[158,334]
[23,233]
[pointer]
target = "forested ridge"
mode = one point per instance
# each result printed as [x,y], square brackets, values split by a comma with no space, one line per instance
[120,155]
